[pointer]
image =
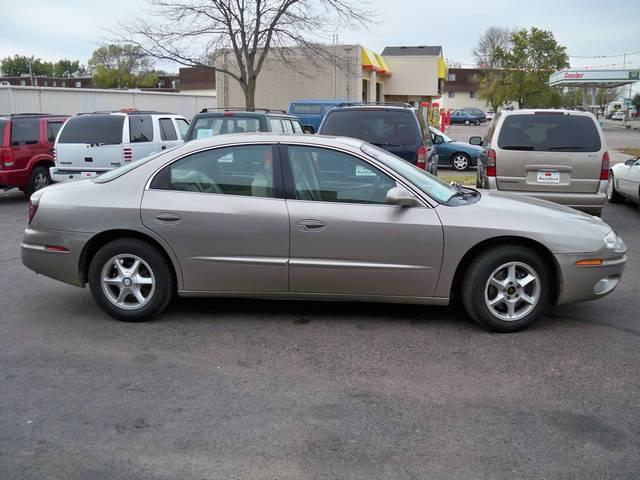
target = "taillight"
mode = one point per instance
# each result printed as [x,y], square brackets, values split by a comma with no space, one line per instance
[491,163]
[421,157]
[604,171]
[53,153]
[33,208]
[127,153]
[6,160]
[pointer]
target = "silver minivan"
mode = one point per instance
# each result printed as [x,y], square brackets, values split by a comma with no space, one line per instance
[555,155]
[93,143]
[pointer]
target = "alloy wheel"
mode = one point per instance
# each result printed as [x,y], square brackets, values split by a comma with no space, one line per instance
[127,281]
[40,181]
[512,291]
[460,162]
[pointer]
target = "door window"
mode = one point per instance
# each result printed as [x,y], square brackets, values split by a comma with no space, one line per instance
[276,125]
[297,128]
[183,126]
[288,128]
[167,130]
[52,130]
[329,176]
[25,131]
[244,170]
[140,128]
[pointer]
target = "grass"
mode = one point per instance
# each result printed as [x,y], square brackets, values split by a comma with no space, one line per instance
[461,179]
[634,152]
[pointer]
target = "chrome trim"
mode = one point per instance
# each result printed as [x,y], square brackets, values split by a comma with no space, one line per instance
[313,262]
[255,260]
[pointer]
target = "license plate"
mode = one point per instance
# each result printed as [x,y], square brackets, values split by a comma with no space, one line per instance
[548,176]
[89,174]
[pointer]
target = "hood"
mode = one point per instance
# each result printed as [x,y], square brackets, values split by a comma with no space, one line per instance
[465,146]
[561,229]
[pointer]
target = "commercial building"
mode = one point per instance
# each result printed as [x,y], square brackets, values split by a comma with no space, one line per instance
[340,72]
[461,89]
[27,80]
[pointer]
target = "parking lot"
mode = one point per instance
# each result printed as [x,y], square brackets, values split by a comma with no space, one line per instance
[275,390]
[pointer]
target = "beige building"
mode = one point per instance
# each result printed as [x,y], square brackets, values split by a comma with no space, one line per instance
[355,73]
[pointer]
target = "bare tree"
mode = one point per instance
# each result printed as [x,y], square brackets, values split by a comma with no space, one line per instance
[198,33]
[493,39]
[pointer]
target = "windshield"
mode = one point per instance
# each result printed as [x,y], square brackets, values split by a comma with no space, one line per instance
[440,191]
[127,167]
[435,131]
[93,129]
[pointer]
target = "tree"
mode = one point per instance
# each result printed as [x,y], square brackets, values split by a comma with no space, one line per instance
[19,65]
[197,33]
[68,68]
[491,88]
[121,66]
[492,39]
[636,101]
[534,54]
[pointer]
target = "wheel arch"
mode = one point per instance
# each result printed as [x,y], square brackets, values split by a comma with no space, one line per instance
[41,160]
[101,239]
[493,242]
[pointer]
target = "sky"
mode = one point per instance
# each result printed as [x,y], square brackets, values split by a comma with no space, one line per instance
[74,28]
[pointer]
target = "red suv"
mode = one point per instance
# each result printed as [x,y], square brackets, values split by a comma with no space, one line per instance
[26,150]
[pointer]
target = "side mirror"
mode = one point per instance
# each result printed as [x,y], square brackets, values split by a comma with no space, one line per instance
[438,140]
[475,141]
[401,197]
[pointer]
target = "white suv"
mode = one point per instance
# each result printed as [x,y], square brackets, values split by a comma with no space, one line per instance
[93,143]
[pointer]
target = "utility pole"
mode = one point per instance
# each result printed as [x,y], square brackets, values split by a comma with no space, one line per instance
[30,74]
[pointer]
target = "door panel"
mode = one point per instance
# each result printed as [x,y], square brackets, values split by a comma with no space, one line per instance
[364,249]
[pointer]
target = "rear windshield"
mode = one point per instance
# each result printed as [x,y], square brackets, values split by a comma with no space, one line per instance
[93,129]
[209,126]
[549,133]
[380,127]
[307,108]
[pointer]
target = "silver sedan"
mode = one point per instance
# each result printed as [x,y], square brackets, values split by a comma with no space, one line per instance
[318,218]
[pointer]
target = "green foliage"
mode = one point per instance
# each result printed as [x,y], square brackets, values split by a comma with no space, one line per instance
[492,88]
[19,65]
[121,66]
[532,56]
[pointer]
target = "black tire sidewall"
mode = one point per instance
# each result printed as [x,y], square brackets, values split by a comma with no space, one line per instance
[31,187]
[479,272]
[162,272]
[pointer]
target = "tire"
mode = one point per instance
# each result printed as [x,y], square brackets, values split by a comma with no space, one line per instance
[460,161]
[466,122]
[477,123]
[156,284]
[478,291]
[38,179]
[612,194]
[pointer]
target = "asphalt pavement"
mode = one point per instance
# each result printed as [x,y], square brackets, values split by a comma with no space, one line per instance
[236,389]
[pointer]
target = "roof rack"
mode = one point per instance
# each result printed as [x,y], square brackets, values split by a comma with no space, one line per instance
[242,109]
[126,111]
[33,115]
[381,104]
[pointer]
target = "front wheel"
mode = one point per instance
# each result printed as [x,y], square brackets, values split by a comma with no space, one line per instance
[506,289]
[612,194]
[131,280]
[466,122]
[460,162]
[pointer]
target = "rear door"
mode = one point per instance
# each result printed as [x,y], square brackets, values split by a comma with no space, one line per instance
[91,143]
[549,152]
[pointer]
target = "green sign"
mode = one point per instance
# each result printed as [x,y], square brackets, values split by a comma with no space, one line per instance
[634,75]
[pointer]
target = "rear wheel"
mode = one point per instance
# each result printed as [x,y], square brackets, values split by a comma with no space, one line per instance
[460,161]
[466,122]
[39,178]
[477,122]
[612,194]
[131,280]
[506,289]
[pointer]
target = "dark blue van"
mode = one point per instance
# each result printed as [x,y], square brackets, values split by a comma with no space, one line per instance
[311,112]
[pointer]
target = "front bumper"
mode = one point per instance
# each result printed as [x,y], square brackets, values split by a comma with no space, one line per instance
[581,283]
[59,265]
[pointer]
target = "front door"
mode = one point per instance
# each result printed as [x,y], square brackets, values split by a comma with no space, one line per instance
[346,240]
[219,211]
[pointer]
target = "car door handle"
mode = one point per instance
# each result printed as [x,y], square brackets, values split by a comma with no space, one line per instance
[311,225]
[168,217]
[164,147]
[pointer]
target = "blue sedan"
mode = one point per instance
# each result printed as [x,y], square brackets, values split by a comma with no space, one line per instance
[466,118]
[457,155]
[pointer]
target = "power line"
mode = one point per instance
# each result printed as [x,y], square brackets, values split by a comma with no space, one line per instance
[605,56]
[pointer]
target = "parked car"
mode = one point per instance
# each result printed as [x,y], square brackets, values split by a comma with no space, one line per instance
[476,112]
[397,128]
[624,182]
[556,155]
[218,121]
[465,118]
[26,150]
[93,143]
[315,218]
[311,112]
[451,153]
[489,115]
[619,115]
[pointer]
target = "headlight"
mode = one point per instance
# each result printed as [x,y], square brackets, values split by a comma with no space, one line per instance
[612,241]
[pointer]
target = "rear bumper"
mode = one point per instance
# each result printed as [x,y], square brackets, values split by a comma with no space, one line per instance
[14,178]
[59,176]
[62,266]
[587,202]
[588,283]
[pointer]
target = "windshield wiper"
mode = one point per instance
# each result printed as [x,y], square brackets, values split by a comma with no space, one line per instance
[566,148]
